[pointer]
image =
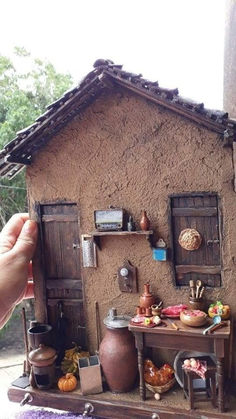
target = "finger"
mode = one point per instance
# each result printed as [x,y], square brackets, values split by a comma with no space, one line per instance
[11,231]
[26,241]
[29,292]
[30,270]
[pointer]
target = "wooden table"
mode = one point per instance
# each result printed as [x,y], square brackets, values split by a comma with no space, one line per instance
[187,339]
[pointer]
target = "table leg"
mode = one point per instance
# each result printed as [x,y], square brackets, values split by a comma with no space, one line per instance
[220,377]
[142,388]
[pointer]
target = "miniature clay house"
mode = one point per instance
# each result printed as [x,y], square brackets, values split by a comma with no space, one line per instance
[118,139]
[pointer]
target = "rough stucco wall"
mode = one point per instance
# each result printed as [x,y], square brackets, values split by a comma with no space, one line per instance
[127,152]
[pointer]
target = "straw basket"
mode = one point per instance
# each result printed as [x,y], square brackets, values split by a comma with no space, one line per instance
[190,239]
[161,389]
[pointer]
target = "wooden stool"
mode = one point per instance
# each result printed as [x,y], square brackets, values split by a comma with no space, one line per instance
[204,393]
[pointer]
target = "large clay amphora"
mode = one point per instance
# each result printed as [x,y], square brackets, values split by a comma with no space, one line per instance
[146,299]
[117,354]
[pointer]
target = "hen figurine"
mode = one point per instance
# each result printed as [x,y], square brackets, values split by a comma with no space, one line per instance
[155,376]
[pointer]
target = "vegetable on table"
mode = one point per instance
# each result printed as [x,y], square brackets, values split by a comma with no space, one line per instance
[67,383]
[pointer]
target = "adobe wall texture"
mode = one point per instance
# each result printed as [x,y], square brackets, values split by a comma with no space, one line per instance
[127,152]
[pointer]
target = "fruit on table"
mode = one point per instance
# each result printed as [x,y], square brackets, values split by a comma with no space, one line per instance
[219,309]
[67,383]
[69,363]
[147,321]
[156,320]
[68,366]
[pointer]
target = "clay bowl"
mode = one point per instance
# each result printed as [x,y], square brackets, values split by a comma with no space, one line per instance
[193,318]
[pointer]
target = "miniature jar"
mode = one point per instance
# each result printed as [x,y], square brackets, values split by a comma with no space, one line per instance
[118,354]
[196,303]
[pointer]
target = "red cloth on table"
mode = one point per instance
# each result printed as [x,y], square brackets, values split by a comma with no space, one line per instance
[200,368]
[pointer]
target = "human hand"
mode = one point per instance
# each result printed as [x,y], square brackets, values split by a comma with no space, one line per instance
[17,244]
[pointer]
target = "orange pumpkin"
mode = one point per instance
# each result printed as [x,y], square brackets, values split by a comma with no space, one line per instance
[67,383]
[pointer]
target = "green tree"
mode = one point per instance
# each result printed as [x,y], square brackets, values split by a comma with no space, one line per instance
[23,97]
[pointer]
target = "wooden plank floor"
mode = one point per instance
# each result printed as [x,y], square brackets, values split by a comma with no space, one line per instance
[10,369]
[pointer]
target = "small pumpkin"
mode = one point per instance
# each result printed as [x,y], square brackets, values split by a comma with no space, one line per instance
[67,383]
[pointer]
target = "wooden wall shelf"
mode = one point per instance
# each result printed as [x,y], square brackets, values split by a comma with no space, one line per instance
[97,234]
[121,233]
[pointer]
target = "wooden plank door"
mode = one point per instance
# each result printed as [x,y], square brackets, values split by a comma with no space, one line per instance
[201,212]
[61,259]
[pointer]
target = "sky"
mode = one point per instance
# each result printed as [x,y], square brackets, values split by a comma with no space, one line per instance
[180,43]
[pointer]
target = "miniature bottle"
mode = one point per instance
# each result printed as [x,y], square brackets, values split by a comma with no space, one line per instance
[130,224]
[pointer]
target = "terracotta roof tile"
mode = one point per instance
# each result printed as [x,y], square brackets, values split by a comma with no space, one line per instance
[18,152]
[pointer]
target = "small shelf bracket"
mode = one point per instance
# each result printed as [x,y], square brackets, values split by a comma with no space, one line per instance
[97,241]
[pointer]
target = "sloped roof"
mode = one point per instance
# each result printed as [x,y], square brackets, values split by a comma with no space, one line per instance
[20,151]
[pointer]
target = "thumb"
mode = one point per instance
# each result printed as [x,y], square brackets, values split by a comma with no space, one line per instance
[26,241]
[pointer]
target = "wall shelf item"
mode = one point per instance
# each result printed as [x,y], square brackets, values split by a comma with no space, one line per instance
[127,277]
[88,251]
[110,219]
[159,254]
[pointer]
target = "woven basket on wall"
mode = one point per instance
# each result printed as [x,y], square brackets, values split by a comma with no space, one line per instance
[190,239]
[161,389]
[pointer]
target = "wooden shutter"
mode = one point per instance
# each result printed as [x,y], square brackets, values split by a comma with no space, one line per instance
[61,258]
[201,212]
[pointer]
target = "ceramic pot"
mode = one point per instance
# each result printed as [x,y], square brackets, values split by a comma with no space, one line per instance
[40,333]
[118,355]
[144,222]
[156,310]
[43,356]
[146,299]
[196,304]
